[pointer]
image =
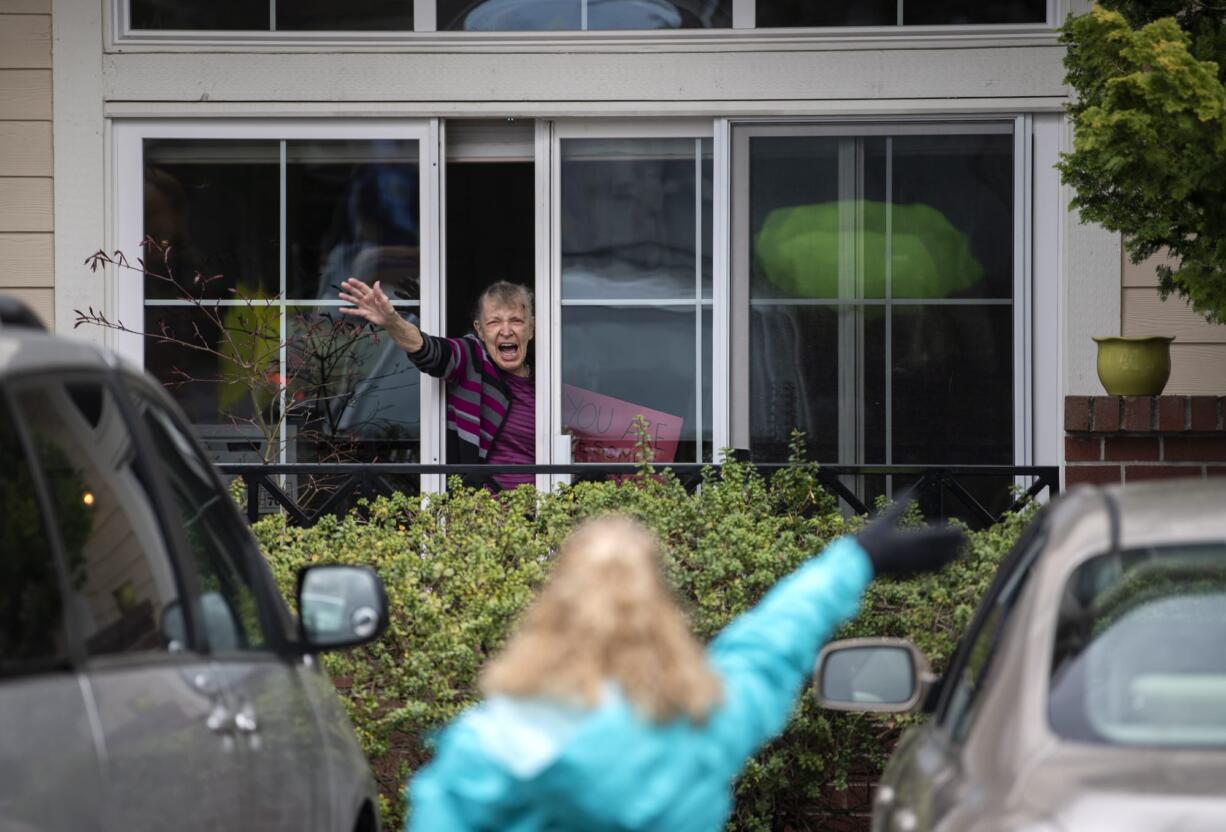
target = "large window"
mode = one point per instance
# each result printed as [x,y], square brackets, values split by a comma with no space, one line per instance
[873,293]
[250,239]
[865,283]
[570,15]
[636,296]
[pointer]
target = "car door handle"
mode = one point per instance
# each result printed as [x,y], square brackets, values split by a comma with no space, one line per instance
[245,720]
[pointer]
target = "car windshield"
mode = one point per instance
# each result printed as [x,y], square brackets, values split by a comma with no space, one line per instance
[1139,656]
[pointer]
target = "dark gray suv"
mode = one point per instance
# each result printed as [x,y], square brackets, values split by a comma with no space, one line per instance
[150,676]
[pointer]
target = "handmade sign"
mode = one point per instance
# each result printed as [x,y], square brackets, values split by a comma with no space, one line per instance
[603,427]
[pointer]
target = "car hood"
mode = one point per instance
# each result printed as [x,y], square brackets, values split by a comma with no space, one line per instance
[1108,789]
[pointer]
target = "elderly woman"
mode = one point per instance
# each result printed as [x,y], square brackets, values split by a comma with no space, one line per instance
[604,712]
[491,391]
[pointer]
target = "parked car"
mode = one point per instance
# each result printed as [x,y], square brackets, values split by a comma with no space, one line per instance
[150,676]
[1089,692]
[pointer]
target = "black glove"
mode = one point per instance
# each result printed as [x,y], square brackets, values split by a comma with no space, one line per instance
[895,551]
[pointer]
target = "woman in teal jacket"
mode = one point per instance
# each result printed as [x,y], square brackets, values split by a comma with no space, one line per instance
[604,713]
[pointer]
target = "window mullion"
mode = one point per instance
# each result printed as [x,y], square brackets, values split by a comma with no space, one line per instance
[282,432]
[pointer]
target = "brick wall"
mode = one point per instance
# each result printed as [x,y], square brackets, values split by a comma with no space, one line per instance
[1110,439]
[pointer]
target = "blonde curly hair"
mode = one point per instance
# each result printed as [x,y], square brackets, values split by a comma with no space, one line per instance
[606,614]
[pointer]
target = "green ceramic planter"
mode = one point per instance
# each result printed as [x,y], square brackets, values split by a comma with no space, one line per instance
[1134,366]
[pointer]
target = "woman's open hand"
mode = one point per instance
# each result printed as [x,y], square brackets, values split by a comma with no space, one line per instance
[369,302]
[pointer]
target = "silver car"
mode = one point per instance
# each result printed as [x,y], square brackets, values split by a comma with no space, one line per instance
[1089,692]
[150,676]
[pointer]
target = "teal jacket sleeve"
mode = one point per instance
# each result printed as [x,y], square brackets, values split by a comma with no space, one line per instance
[766,655]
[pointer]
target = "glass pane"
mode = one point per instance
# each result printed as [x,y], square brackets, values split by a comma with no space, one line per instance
[1138,658]
[557,15]
[794,216]
[352,15]
[216,203]
[219,364]
[787,394]
[31,606]
[119,572]
[191,15]
[619,362]
[952,379]
[352,210]
[353,395]
[633,218]
[772,13]
[214,533]
[952,216]
[957,12]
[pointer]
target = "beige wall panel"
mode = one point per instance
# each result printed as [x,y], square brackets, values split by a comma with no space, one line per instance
[801,75]
[42,301]
[25,6]
[25,41]
[27,260]
[1144,313]
[25,148]
[25,204]
[1144,273]
[1197,370]
[25,94]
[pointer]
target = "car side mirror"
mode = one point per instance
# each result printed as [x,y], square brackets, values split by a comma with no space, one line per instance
[878,675]
[340,606]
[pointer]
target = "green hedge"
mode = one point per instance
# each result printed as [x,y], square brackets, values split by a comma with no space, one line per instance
[460,569]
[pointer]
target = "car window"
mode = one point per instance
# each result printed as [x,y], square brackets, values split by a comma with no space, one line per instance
[970,671]
[31,604]
[120,581]
[229,602]
[1138,656]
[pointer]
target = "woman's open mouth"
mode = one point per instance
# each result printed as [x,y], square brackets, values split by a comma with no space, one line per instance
[508,351]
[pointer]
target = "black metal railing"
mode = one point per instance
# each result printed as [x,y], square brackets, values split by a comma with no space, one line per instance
[942,489]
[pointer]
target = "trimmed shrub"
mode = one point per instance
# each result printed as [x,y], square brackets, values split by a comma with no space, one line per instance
[460,567]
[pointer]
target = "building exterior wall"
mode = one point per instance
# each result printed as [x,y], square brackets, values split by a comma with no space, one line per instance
[104,78]
[26,215]
[1198,356]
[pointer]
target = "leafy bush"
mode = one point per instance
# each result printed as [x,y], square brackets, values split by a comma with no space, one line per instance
[460,567]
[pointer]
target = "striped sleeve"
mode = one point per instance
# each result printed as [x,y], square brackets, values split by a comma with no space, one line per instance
[441,357]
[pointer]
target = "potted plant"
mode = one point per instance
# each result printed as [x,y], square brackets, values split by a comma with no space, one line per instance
[1149,156]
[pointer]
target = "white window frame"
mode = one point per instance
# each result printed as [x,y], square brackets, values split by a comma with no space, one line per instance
[556,447]
[1031,427]
[126,291]
[742,30]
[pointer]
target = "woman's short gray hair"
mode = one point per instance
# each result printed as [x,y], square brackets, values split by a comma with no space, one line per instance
[505,293]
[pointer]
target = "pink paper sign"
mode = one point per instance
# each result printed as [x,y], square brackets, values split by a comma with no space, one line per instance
[603,427]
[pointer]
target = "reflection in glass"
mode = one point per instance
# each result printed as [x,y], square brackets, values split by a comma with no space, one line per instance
[571,15]
[951,371]
[877,675]
[352,15]
[962,12]
[194,16]
[31,606]
[1137,659]
[118,567]
[621,361]
[791,13]
[352,394]
[216,203]
[778,13]
[788,176]
[880,317]
[793,380]
[352,210]
[635,218]
[953,214]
